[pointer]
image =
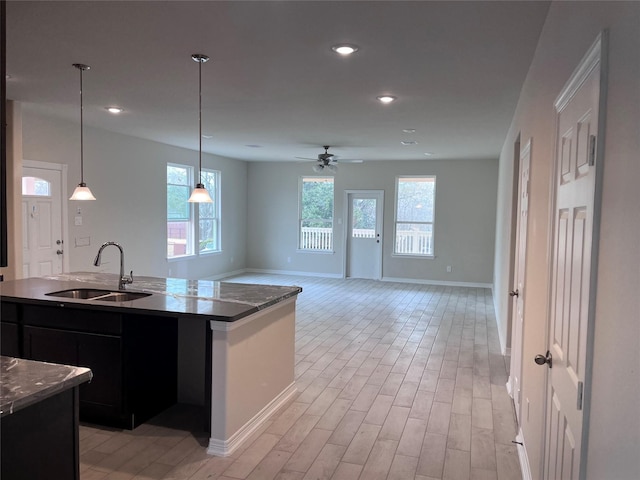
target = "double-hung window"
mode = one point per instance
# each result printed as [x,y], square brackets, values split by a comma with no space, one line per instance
[209,214]
[415,207]
[182,227]
[316,214]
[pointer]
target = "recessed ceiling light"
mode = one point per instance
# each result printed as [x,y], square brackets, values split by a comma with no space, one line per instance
[386,98]
[114,110]
[207,136]
[428,154]
[409,130]
[408,142]
[345,48]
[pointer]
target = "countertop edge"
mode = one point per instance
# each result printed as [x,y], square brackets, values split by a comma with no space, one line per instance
[75,377]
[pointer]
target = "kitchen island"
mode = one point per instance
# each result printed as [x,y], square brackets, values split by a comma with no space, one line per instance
[226,346]
[39,410]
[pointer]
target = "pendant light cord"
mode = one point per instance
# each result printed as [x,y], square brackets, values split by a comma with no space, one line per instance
[200,115]
[81,131]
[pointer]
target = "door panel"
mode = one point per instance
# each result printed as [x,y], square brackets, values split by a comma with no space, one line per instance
[42,222]
[364,233]
[521,255]
[571,271]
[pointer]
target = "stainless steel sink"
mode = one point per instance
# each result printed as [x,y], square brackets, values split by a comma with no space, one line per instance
[102,295]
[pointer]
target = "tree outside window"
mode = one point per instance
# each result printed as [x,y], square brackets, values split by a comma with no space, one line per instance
[415,206]
[316,213]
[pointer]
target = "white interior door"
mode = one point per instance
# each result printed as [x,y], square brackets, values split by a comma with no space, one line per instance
[43,246]
[364,235]
[518,291]
[571,269]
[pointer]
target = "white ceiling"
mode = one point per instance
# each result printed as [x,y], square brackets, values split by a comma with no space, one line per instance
[273,81]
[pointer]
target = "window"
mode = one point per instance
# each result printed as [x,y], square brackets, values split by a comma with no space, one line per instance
[36,186]
[179,211]
[182,230]
[209,213]
[415,200]
[316,213]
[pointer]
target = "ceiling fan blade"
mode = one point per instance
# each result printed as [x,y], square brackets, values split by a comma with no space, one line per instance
[348,160]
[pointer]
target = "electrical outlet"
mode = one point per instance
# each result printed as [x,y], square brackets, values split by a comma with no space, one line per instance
[78,220]
[448,268]
[288,259]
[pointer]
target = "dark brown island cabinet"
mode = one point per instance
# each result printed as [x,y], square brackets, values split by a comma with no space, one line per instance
[39,424]
[133,357]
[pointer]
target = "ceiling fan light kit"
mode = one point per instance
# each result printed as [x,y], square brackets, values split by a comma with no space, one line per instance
[328,161]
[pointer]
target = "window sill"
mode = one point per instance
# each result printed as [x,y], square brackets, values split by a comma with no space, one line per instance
[322,252]
[181,257]
[210,252]
[425,257]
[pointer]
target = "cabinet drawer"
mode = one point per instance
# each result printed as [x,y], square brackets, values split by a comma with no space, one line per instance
[67,318]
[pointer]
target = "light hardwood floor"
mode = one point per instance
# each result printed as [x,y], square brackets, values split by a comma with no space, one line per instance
[395,381]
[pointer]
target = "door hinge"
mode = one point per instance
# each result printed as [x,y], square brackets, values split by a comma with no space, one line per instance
[592,150]
[580,395]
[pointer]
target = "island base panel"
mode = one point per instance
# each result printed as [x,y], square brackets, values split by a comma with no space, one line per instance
[252,374]
[41,441]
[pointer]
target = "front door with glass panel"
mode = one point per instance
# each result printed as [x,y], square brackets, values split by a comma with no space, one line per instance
[364,235]
[42,243]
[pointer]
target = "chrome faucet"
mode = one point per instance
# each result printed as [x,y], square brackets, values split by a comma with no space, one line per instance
[124,280]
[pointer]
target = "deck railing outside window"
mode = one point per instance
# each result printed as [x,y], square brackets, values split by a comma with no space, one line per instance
[314,238]
[407,242]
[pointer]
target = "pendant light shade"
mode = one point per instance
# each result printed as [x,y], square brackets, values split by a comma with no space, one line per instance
[200,194]
[81,192]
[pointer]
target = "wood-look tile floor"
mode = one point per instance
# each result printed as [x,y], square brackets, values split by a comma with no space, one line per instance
[395,381]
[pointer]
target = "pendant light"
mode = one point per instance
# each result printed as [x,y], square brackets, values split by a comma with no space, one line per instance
[200,194]
[81,192]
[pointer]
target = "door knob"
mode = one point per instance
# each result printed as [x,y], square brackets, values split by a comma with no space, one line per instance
[59,242]
[542,359]
[59,252]
[514,293]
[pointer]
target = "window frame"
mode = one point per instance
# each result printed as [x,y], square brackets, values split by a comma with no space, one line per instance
[301,181]
[191,218]
[215,196]
[194,219]
[396,222]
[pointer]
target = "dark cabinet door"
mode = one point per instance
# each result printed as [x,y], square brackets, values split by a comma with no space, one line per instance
[10,343]
[50,345]
[102,396]
[102,354]
[9,330]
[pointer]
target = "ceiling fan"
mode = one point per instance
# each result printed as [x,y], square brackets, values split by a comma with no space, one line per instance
[328,160]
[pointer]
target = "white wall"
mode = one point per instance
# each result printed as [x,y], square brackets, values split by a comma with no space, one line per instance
[128,177]
[614,422]
[464,218]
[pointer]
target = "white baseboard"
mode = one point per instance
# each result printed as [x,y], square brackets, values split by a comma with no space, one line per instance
[224,448]
[524,458]
[436,282]
[291,272]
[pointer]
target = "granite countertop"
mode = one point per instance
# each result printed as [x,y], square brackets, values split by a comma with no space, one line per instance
[25,382]
[209,300]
